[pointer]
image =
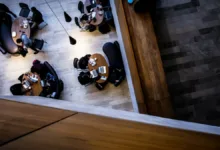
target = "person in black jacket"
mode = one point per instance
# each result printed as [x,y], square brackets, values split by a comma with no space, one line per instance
[36,18]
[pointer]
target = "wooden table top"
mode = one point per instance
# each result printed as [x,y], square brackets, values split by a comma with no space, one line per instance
[36,88]
[19,29]
[99,62]
[99,18]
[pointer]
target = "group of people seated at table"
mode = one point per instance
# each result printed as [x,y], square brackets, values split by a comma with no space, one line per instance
[51,85]
[116,67]
[104,8]
[34,21]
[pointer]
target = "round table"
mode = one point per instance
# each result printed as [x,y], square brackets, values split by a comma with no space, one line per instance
[99,18]
[99,63]
[36,87]
[19,29]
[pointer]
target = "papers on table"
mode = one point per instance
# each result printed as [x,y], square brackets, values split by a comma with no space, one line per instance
[103,78]
[94,73]
[102,69]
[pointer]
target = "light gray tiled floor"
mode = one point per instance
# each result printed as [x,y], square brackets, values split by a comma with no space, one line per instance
[60,54]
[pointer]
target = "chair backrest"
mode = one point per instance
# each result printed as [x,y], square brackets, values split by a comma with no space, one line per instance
[42,25]
[105,3]
[6,38]
[81,7]
[77,22]
[24,12]
[88,8]
[3,8]
[75,63]
[23,5]
[38,44]
[92,28]
[113,53]
[16,89]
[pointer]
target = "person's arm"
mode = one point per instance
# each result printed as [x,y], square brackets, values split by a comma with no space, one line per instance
[34,25]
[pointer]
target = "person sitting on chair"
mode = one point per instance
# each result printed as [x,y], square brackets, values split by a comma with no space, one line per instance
[85,22]
[27,43]
[36,19]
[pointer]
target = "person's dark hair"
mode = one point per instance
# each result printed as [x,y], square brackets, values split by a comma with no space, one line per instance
[85,17]
[18,40]
[36,62]
[33,9]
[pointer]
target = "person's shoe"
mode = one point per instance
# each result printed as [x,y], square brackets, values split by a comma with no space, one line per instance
[130,1]
[36,52]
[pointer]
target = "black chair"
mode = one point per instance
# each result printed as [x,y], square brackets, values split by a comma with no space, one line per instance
[88,8]
[81,7]
[81,63]
[23,5]
[42,25]
[75,63]
[38,44]
[20,78]
[7,42]
[108,16]
[24,10]
[91,28]
[4,8]
[105,3]
[17,89]
[58,82]
[104,28]
[77,22]
[100,86]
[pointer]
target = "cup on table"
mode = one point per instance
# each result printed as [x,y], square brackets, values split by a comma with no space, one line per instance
[92,62]
[25,24]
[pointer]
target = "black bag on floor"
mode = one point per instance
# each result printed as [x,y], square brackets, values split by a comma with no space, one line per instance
[84,78]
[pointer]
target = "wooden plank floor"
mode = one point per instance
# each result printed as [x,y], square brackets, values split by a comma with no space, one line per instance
[83,131]
[148,59]
[60,54]
[18,119]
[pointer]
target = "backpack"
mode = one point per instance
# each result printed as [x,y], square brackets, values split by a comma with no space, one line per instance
[84,78]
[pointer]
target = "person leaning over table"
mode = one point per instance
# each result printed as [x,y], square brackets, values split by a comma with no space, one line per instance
[35,19]
[85,22]
[26,43]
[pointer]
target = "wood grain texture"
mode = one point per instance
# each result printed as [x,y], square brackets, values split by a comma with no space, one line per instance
[17,119]
[150,67]
[83,131]
[130,56]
